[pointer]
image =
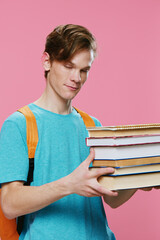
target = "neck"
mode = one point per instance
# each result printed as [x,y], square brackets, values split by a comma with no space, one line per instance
[54,103]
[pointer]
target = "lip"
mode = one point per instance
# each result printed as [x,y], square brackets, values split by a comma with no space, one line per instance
[71,87]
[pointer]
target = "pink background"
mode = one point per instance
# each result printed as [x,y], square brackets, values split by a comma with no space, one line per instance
[123,86]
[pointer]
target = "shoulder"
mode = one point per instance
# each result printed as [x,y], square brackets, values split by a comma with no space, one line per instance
[15,119]
[14,124]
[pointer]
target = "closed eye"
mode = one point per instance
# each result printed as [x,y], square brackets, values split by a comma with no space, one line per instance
[85,70]
[68,66]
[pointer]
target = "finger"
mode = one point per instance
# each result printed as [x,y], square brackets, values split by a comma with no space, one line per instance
[108,192]
[97,172]
[102,191]
[94,193]
[90,158]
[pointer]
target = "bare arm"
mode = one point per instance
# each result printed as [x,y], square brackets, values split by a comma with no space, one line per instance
[122,197]
[18,199]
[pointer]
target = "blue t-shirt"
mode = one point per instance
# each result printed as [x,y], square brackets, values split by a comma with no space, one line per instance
[60,150]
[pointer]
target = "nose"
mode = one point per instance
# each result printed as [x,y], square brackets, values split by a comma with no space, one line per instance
[76,76]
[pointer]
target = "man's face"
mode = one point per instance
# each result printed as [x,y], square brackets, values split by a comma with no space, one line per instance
[65,79]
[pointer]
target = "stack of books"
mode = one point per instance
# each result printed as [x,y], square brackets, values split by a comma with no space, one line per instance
[134,152]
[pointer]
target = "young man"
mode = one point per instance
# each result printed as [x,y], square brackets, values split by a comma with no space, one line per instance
[64,199]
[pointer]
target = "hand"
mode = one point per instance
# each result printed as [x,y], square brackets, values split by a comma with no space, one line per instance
[84,182]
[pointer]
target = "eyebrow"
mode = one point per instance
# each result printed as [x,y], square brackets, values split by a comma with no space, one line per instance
[72,64]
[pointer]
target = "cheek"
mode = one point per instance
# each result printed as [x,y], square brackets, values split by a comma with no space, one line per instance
[57,77]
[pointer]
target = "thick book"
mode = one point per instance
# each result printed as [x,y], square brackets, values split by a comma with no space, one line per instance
[128,151]
[124,130]
[120,141]
[130,181]
[126,162]
[119,171]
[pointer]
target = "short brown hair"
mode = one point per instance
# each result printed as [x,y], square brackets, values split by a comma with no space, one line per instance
[66,40]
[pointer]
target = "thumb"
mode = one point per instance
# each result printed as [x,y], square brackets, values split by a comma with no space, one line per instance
[91,156]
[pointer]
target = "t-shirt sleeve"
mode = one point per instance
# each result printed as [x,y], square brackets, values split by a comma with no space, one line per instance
[14,162]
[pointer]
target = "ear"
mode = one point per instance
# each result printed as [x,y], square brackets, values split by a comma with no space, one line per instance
[46,61]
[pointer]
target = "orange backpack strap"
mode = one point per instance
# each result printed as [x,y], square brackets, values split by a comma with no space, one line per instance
[32,131]
[88,121]
[32,140]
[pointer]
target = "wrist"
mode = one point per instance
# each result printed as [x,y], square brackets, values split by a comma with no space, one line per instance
[62,186]
[68,185]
